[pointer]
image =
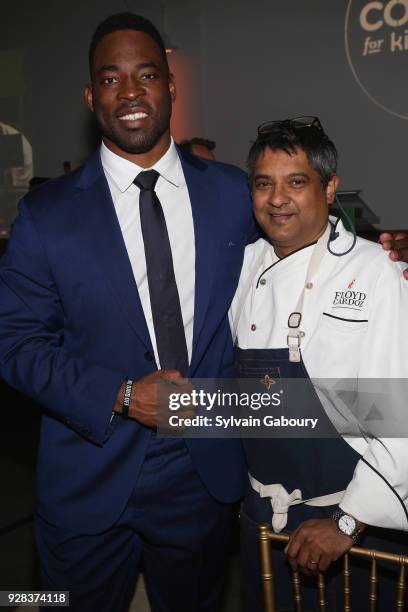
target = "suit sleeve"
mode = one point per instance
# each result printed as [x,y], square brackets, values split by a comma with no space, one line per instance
[33,358]
[378,492]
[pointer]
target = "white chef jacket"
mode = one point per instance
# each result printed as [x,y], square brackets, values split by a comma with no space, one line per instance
[355,324]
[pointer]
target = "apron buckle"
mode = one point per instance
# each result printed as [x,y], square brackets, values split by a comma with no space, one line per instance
[293,341]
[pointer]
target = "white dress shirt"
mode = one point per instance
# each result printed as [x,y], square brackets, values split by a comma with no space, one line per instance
[171,189]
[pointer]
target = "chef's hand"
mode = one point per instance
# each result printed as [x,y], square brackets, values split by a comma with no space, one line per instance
[315,544]
[397,245]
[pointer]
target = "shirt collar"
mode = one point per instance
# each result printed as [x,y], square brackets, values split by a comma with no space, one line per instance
[123,172]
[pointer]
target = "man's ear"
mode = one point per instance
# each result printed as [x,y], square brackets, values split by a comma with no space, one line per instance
[331,189]
[172,87]
[89,97]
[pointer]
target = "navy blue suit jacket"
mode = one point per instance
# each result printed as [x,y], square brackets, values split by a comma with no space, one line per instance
[72,328]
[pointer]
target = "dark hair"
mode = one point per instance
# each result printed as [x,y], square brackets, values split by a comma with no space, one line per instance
[320,151]
[188,144]
[125,21]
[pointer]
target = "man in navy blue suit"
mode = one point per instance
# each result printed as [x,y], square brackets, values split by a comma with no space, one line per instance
[85,330]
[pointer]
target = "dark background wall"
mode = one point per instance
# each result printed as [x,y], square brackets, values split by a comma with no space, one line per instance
[238,64]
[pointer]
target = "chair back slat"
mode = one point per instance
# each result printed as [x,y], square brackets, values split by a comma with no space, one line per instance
[297,595]
[401,589]
[322,593]
[268,581]
[346,584]
[373,584]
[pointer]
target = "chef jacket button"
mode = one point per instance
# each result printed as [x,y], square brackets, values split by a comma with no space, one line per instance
[309,285]
[262,281]
[253,327]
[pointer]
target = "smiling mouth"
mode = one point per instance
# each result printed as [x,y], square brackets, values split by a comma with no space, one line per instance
[133,116]
[281,217]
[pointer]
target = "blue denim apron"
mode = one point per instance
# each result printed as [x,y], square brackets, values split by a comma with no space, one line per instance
[316,466]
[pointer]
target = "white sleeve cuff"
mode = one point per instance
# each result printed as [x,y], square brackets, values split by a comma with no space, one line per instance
[370,500]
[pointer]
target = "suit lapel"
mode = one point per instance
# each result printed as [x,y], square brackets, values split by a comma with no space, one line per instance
[104,237]
[204,198]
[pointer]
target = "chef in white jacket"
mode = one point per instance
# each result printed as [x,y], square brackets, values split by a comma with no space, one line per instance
[315,302]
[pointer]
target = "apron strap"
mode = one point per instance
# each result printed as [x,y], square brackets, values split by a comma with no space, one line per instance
[281,500]
[295,334]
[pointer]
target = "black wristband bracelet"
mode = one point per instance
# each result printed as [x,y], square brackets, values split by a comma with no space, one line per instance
[126,398]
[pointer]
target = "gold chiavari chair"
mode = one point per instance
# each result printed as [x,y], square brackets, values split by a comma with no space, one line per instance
[266,536]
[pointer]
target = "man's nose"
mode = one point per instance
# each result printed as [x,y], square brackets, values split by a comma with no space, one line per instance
[130,89]
[278,196]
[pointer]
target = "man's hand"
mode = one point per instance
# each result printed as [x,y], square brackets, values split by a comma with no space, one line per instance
[315,544]
[397,245]
[149,399]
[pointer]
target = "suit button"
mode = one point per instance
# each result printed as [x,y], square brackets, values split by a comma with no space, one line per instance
[253,327]
[148,356]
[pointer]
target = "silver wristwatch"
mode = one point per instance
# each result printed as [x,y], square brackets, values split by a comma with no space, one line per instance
[347,524]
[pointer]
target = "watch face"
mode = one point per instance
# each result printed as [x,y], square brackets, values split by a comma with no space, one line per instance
[347,524]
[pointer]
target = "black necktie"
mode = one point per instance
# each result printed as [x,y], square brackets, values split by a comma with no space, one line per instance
[164,297]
